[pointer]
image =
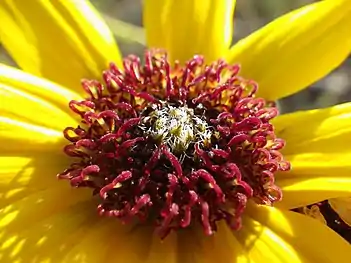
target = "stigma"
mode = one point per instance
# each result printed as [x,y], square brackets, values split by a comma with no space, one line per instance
[175,145]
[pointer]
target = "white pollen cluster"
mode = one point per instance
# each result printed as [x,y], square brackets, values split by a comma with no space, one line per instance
[177,127]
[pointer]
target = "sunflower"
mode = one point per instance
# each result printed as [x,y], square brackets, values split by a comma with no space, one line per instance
[184,155]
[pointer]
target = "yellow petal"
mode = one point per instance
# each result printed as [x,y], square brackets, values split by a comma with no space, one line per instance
[187,246]
[63,41]
[101,243]
[124,243]
[316,146]
[19,105]
[43,227]
[273,235]
[46,227]
[31,157]
[31,154]
[41,218]
[222,247]
[152,20]
[39,87]
[296,49]
[17,136]
[342,206]
[185,28]
[302,191]
[28,173]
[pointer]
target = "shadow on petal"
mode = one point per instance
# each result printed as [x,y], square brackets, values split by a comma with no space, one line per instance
[44,219]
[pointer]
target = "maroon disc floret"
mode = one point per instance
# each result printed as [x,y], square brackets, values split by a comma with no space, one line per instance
[174,146]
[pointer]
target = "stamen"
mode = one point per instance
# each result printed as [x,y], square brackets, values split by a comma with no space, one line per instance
[175,146]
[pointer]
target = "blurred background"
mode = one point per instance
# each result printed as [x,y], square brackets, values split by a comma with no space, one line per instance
[125,20]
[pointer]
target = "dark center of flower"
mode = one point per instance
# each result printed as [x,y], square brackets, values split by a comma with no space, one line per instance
[175,146]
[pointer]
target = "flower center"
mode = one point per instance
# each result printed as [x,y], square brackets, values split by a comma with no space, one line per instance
[176,126]
[175,146]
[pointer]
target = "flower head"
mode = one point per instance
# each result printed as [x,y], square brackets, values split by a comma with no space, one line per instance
[175,145]
[186,143]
